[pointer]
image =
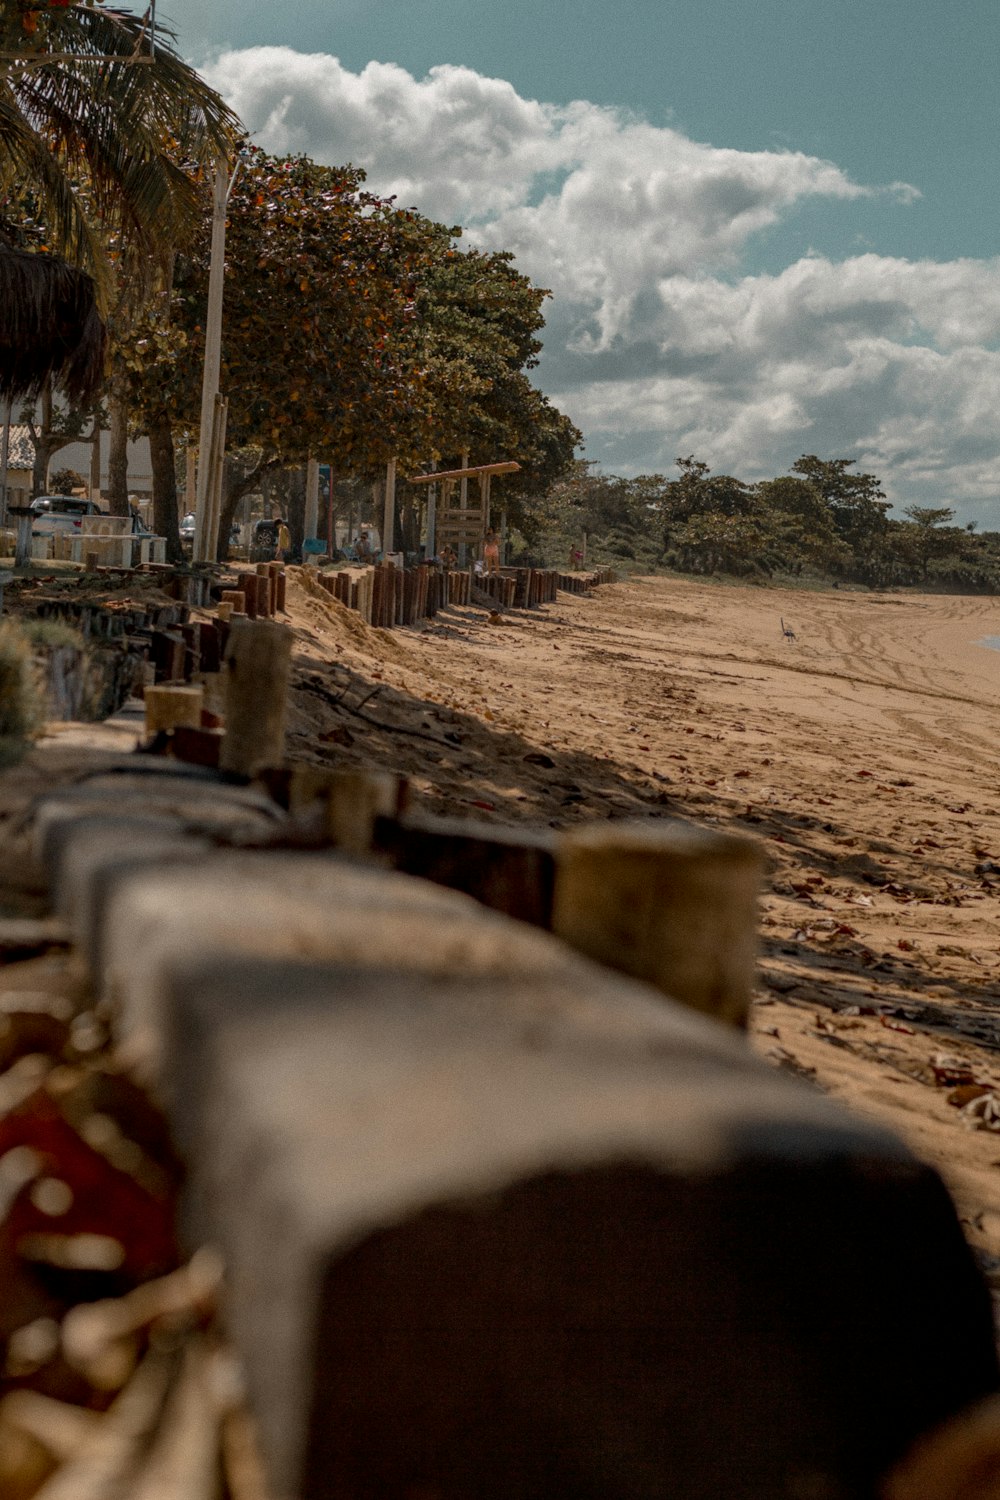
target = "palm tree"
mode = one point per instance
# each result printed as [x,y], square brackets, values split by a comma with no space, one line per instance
[108,135]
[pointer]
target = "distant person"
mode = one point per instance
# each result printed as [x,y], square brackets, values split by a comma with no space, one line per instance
[575,557]
[449,557]
[491,552]
[283,545]
[363,547]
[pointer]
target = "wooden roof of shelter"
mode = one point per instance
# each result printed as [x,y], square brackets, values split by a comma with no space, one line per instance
[509,467]
[50,327]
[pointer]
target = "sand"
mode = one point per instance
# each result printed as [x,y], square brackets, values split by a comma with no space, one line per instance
[863,753]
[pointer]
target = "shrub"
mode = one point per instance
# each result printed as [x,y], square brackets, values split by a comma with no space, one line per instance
[21,711]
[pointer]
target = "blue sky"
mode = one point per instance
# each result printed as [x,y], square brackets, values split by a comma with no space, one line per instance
[769,228]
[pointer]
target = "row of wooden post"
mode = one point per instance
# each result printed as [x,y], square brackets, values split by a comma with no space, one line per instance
[259,595]
[387,596]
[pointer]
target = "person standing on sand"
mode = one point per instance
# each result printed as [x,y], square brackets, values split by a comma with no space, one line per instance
[283,546]
[491,552]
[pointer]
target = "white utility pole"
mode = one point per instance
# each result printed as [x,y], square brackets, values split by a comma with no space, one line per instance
[205,545]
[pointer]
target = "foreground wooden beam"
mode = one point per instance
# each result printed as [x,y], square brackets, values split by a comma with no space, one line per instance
[258,661]
[511,870]
[668,902]
[527,1251]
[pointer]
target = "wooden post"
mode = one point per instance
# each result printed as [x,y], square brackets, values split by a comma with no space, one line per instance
[389,508]
[354,799]
[213,357]
[279,593]
[258,660]
[236,600]
[248,585]
[264,572]
[170,707]
[671,903]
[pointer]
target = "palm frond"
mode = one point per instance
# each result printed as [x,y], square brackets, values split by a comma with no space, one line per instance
[50,328]
[127,139]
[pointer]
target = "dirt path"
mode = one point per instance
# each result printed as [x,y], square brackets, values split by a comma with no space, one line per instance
[865,753]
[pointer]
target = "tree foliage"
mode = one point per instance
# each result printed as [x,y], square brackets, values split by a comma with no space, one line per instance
[355,331]
[823,520]
[103,137]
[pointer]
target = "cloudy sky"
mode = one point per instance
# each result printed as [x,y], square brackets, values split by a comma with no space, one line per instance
[768,228]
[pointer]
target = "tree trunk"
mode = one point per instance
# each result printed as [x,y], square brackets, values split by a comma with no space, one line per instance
[161,450]
[95,463]
[234,487]
[118,456]
[296,516]
[409,530]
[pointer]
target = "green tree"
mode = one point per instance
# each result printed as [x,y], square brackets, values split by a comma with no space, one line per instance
[805,535]
[858,507]
[930,540]
[352,331]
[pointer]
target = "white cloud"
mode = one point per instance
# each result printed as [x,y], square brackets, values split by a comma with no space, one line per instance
[656,344]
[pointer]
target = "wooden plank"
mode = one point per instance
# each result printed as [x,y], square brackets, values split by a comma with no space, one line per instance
[507,467]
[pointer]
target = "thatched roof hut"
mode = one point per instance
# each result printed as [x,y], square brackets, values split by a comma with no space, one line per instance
[49,328]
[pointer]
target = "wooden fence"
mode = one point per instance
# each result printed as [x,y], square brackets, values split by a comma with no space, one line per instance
[388,596]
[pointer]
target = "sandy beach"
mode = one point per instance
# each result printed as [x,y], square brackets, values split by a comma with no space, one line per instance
[863,753]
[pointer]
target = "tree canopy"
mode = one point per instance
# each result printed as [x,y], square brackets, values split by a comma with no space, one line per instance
[355,331]
[823,520]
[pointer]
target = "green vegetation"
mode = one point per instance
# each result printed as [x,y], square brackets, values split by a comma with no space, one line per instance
[823,521]
[21,710]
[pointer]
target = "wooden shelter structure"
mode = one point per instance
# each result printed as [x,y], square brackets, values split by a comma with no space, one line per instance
[50,327]
[457,523]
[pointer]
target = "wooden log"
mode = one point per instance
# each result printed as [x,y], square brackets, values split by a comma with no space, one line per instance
[166,649]
[519,1220]
[279,592]
[274,569]
[197,747]
[377,588]
[209,647]
[267,593]
[398,596]
[167,707]
[354,799]
[248,586]
[510,870]
[192,649]
[669,903]
[258,661]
